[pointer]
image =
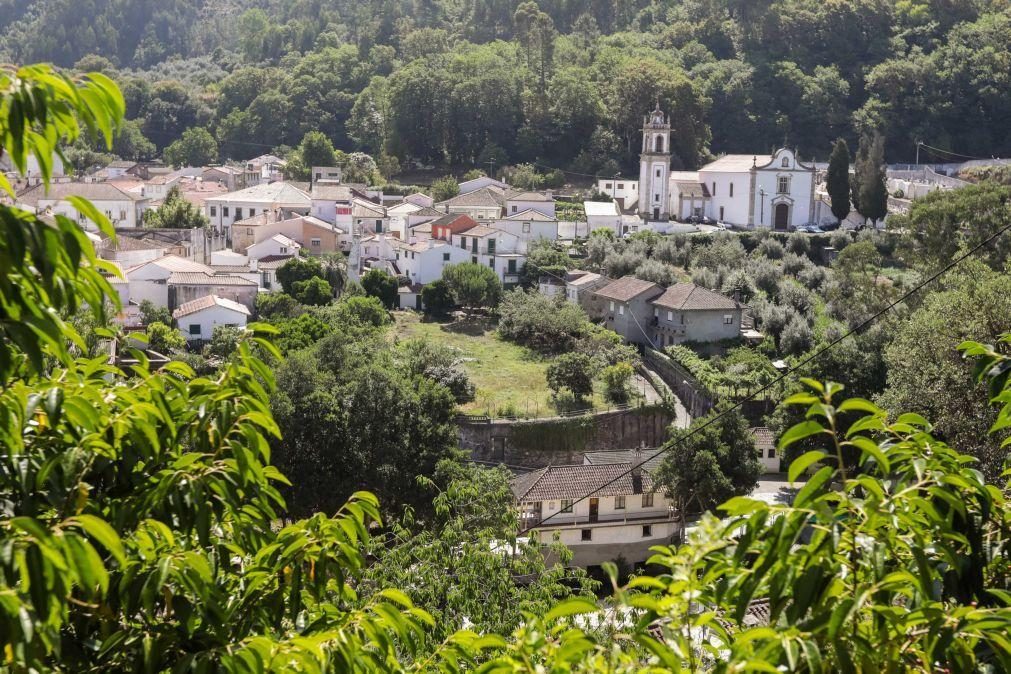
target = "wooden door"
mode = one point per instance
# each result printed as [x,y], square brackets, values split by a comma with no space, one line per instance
[594,509]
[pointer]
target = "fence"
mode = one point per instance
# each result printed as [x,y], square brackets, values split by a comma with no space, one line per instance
[568,414]
[695,397]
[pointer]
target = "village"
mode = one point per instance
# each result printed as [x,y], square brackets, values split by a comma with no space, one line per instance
[601,503]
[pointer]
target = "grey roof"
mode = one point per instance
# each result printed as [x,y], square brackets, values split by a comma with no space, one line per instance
[690,297]
[280,194]
[100,191]
[482,198]
[573,482]
[627,288]
[197,278]
[531,215]
[331,192]
[523,195]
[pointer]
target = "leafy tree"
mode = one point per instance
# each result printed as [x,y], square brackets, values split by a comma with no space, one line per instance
[543,258]
[572,371]
[709,462]
[837,181]
[870,179]
[317,150]
[616,378]
[196,147]
[473,285]
[437,298]
[152,313]
[176,212]
[546,324]
[382,286]
[312,292]
[277,306]
[130,142]
[441,364]
[164,338]
[445,188]
[298,269]
[224,342]
[857,290]
[364,311]
[796,337]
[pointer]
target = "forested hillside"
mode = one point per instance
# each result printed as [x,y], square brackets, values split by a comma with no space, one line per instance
[560,82]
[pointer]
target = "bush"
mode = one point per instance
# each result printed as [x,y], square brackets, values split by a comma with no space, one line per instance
[797,337]
[572,371]
[150,313]
[813,277]
[437,298]
[277,305]
[739,285]
[363,310]
[440,364]
[382,286]
[793,264]
[773,318]
[839,239]
[616,378]
[675,250]
[798,244]
[771,249]
[724,249]
[224,342]
[473,285]
[796,296]
[164,338]
[623,263]
[298,269]
[766,276]
[313,292]
[707,278]
[545,324]
[657,272]
[606,347]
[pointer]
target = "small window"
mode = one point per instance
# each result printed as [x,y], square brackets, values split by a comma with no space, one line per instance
[731,189]
[238,213]
[647,500]
[586,535]
[491,263]
[315,243]
[319,175]
[656,311]
[647,530]
[473,259]
[122,215]
[445,257]
[214,211]
[194,328]
[514,208]
[612,306]
[714,188]
[621,186]
[224,211]
[728,319]
[670,316]
[284,250]
[784,185]
[607,186]
[658,173]
[463,242]
[512,266]
[249,231]
[656,197]
[772,453]
[619,502]
[526,227]
[621,309]
[566,505]
[786,162]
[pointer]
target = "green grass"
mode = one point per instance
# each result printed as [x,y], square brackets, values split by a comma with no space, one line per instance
[510,379]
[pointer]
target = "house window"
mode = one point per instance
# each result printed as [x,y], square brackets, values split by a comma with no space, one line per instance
[621,309]
[491,263]
[731,189]
[621,186]
[224,211]
[728,319]
[514,208]
[463,242]
[526,227]
[473,259]
[656,311]
[249,231]
[122,215]
[772,453]
[647,530]
[786,162]
[670,316]
[284,250]
[473,244]
[656,197]
[319,175]
[647,500]
[238,213]
[714,188]
[214,211]
[379,226]
[619,502]
[721,212]
[612,306]
[491,246]
[586,535]
[445,257]
[194,328]
[607,186]
[316,243]
[784,185]
[682,319]
[658,173]
[512,266]
[566,505]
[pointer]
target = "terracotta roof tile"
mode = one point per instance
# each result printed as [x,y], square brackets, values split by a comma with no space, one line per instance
[627,288]
[558,482]
[690,297]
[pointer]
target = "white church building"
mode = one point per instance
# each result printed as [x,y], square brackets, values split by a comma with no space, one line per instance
[774,191]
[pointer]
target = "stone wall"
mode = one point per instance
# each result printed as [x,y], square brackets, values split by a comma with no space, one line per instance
[562,441]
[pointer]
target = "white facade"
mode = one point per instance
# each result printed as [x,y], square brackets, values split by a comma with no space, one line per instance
[149,281]
[529,201]
[602,215]
[528,226]
[468,186]
[423,263]
[226,209]
[279,244]
[623,190]
[654,167]
[197,319]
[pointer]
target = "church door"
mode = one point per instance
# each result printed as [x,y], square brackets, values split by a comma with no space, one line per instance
[656,214]
[782,216]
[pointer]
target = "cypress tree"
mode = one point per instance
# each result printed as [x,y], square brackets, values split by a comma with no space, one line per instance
[870,173]
[838,179]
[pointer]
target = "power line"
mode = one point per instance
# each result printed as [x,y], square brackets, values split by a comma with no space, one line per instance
[736,406]
[952,154]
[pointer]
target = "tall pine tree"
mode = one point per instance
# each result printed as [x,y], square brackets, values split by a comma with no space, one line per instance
[872,202]
[838,179]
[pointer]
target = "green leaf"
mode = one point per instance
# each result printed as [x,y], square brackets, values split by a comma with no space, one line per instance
[100,530]
[800,431]
[569,607]
[803,462]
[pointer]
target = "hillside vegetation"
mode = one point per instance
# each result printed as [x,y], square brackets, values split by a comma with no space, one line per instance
[563,83]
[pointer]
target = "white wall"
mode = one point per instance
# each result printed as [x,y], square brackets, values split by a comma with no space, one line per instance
[528,231]
[207,319]
[122,213]
[271,247]
[620,189]
[516,206]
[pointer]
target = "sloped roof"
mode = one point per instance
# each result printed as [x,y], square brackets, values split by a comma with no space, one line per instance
[331,192]
[100,191]
[692,189]
[485,197]
[174,263]
[600,208]
[272,261]
[765,439]
[573,482]
[195,278]
[627,288]
[362,209]
[279,193]
[207,302]
[690,297]
[482,231]
[737,163]
[128,243]
[530,214]
[427,211]
[525,195]
[584,278]
[625,456]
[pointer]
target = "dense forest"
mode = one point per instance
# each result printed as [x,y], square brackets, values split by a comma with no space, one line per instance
[561,83]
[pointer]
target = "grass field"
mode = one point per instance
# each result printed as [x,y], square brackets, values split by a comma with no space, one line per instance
[510,379]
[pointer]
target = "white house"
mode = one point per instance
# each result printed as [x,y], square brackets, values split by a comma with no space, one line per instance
[529,226]
[581,287]
[149,280]
[419,199]
[198,318]
[624,191]
[269,166]
[495,248]
[602,215]
[765,446]
[486,203]
[600,511]
[279,244]
[326,173]
[521,201]
[468,186]
[226,209]
[332,203]
[122,208]
[423,263]
[369,217]
[774,190]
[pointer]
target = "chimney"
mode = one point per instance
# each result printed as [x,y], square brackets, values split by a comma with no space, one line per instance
[637,470]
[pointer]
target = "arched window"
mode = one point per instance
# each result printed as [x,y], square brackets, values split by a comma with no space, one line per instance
[658,144]
[786,162]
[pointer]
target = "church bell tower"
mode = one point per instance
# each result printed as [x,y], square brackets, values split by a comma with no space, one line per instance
[654,167]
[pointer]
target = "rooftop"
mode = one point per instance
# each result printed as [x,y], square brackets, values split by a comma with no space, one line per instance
[331,192]
[531,215]
[737,163]
[600,208]
[197,278]
[574,482]
[627,288]
[690,297]
[101,191]
[280,194]
[525,195]
[207,302]
[486,197]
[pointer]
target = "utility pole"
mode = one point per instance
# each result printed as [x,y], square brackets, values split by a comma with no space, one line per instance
[491,168]
[918,144]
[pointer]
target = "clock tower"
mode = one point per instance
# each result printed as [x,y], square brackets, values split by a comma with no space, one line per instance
[654,167]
